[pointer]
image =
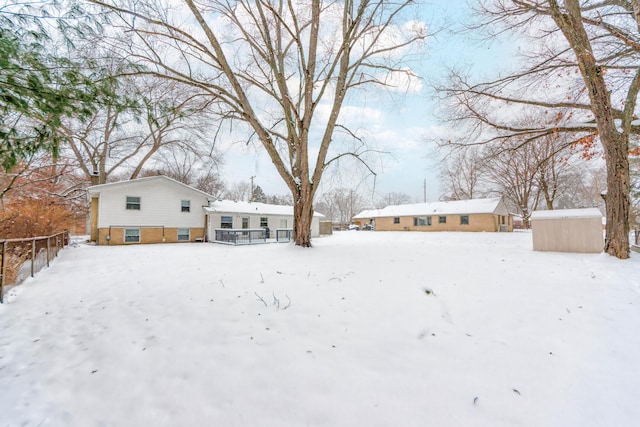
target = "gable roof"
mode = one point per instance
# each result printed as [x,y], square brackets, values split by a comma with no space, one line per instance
[473,206]
[96,189]
[230,206]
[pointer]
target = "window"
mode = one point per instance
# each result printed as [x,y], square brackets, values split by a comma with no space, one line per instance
[183,235]
[464,219]
[396,220]
[133,203]
[186,205]
[264,222]
[132,235]
[421,221]
[245,222]
[226,222]
[442,220]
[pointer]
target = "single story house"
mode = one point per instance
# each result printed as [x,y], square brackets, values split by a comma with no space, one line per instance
[153,209]
[223,215]
[456,215]
[568,230]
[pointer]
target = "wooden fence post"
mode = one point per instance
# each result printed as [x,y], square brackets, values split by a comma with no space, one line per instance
[3,265]
[33,256]
[48,249]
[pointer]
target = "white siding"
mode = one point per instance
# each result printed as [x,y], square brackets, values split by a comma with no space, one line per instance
[160,205]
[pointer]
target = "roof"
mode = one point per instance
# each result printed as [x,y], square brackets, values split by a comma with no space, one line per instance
[473,206]
[101,187]
[230,206]
[567,213]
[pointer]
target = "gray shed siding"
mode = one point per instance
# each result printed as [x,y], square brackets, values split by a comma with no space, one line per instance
[568,233]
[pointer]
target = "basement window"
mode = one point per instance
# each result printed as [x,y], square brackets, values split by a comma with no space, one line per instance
[183,235]
[442,220]
[396,220]
[132,235]
[464,219]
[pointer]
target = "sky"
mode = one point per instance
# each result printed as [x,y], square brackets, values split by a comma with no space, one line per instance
[354,332]
[401,125]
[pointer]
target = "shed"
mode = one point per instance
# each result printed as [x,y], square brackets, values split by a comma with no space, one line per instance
[568,230]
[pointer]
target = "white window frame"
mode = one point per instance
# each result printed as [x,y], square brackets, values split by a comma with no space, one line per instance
[131,241]
[188,234]
[185,204]
[130,205]
[222,222]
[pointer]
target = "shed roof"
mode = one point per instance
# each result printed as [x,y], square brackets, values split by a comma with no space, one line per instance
[96,189]
[473,206]
[567,213]
[230,206]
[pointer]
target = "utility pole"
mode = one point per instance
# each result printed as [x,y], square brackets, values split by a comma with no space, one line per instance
[425,190]
[251,196]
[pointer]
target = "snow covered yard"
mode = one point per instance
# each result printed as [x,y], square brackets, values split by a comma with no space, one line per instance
[365,329]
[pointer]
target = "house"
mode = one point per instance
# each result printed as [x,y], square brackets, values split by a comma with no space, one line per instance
[159,209]
[457,215]
[154,209]
[226,217]
[568,230]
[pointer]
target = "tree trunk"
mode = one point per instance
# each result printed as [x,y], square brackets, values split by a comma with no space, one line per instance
[618,195]
[302,217]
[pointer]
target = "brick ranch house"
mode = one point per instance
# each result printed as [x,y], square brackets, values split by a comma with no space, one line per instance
[457,215]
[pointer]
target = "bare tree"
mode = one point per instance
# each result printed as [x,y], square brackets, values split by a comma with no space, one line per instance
[284,68]
[238,191]
[393,198]
[582,186]
[341,204]
[461,173]
[190,168]
[582,58]
[144,118]
[514,173]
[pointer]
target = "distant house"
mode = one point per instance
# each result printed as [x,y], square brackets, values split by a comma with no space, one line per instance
[154,209]
[243,216]
[459,215]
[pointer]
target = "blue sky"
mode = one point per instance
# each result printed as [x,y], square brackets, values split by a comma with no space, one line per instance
[402,124]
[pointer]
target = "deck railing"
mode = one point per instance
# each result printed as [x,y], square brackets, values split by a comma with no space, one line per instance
[251,236]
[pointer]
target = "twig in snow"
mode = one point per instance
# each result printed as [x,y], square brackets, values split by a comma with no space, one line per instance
[288,305]
[276,301]
[261,278]
[221,282]
[516,391]
[475,400]
[261,299]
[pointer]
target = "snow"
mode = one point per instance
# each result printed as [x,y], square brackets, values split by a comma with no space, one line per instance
[567,213]
[230,206]
[473,206]
[364,329]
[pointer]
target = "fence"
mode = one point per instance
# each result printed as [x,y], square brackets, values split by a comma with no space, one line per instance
[21,258]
